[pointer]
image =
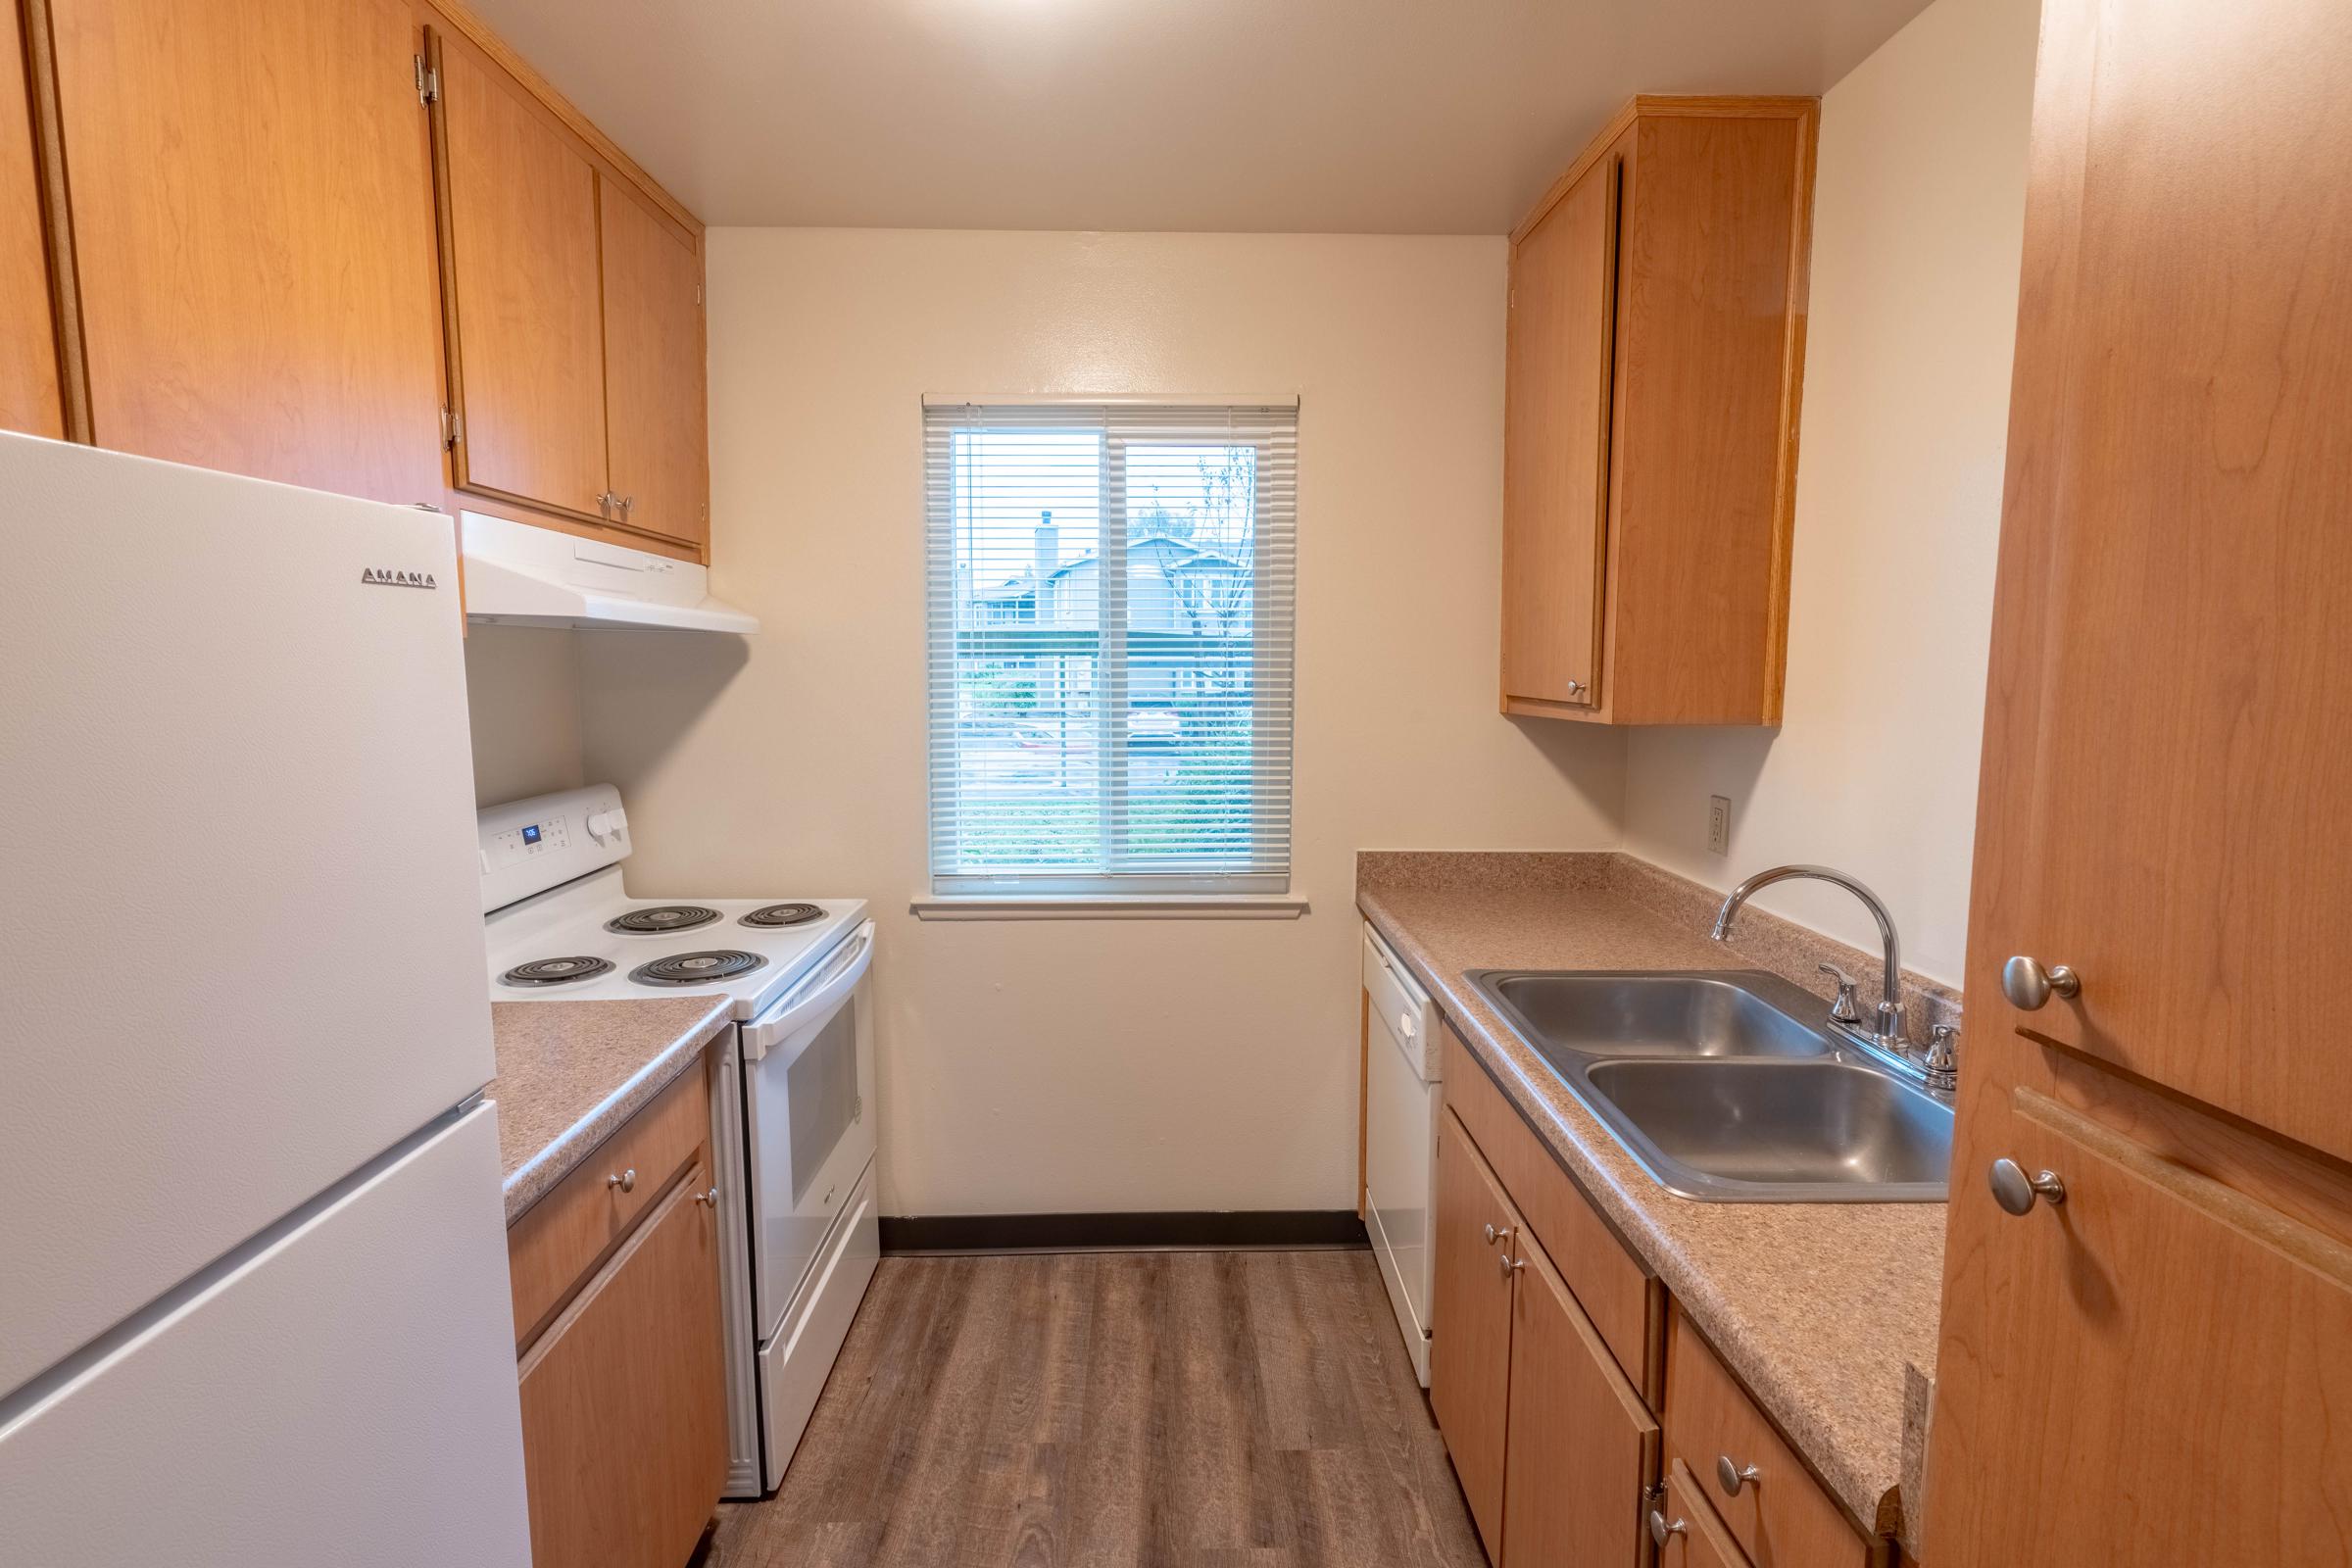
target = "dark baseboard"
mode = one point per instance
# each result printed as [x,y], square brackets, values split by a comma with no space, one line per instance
[1194,1229]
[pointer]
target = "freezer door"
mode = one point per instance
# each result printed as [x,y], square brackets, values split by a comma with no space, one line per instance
[238,879]
[344,1395]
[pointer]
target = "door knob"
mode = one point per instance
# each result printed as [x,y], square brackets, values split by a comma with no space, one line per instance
[1659,1528]
[1732,1477]
[2017,1192]
[2029,986]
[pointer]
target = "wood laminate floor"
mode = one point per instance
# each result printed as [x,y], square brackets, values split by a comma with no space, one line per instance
[1133,1408]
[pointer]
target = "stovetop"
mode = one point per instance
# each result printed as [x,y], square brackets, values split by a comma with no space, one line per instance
[587,940]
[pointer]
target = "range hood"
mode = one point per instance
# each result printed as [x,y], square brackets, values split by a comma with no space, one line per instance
[519,575]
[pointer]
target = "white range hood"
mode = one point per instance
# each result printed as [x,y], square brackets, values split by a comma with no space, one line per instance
[517,575]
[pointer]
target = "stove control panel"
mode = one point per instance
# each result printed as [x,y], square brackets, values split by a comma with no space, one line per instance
[517,844]
[531,846]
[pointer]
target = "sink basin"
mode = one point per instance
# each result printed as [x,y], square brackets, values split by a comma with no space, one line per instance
[1719,1086]
[1654,1014]
[1799,1131]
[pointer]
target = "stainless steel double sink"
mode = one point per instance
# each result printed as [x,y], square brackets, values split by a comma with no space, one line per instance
[1716,1085]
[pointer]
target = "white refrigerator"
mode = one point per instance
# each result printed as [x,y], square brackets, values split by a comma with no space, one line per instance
[253,1276]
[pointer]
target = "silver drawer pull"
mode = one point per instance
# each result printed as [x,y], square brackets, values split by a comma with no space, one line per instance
[1659,1528]
[1492,1235]
[626,1181]
[1732,1477]
[709,1198]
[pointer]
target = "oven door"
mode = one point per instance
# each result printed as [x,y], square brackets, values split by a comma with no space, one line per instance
[808,1129]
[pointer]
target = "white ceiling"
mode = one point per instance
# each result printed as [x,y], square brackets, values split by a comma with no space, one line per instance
[1341,116]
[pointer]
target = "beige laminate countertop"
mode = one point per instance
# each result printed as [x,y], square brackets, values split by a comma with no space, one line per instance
[1817,1307]
[571,1072]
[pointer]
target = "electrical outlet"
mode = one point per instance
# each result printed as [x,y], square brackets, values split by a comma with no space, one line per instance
[1719,824]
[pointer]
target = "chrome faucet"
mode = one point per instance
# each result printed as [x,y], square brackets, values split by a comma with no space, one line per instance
[1936,1065]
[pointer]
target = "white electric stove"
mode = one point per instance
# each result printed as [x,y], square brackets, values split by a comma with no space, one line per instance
[793,1134]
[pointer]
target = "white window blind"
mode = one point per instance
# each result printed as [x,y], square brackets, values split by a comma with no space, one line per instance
[1110,597]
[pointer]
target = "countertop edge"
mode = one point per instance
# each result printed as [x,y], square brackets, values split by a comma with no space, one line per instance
[539,1175]
[1874,1504]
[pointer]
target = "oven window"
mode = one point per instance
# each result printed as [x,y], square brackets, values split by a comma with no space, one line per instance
[821,1090]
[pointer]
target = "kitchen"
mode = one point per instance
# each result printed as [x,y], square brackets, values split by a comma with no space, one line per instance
[1043,855]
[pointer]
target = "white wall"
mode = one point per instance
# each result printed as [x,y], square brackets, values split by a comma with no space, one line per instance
[1092,1066]
[1917,228]
[522,693]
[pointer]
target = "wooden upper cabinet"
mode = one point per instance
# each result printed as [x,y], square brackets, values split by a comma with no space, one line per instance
[29,399]
[654,387]
[526,314]
[1470,1320]
[1556,443]
[1582,1445]
[2157,1370]
[1656,349]
[251,196]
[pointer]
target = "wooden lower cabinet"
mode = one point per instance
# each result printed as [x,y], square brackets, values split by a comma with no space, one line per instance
[1470,1300]
[625,1401]
[1549,1439]
[1580,1445]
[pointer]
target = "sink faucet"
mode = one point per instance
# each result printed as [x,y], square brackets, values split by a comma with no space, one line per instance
[1888,1028]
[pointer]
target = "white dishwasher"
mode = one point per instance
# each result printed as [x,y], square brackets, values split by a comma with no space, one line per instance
[1403,1101]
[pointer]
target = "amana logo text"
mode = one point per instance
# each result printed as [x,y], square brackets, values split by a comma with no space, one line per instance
[388,577]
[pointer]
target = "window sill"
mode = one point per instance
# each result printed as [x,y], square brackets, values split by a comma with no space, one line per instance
[1111,906]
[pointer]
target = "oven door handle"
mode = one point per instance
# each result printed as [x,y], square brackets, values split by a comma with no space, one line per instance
[813,997]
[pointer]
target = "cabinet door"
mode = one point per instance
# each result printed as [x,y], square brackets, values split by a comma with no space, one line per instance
[28,393]
[1580,1445]
[526,316]
[252,201]
[624,1437]
[2156,1370]
[654,383]
[1470,1323]
[2166,740]
[1556,484]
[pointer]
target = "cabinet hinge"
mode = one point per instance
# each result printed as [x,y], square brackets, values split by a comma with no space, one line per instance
[452,429]
[428,81]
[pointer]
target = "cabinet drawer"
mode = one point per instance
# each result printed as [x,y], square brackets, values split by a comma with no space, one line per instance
[1782,1518]
[1616,1293]
[557,1240]
[624,1443]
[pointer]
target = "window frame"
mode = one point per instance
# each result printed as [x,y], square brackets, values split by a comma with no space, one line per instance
[1261,883]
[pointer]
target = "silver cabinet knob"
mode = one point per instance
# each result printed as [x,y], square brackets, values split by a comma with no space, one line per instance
[626,1181]
[1493,1236]
[1659,1528]
[1511,1265]
[2029,986]
[1575,688]
[1732,1477]
[709,1198]
[2015,1192]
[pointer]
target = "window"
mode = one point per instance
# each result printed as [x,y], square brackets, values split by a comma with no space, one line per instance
[1110,616]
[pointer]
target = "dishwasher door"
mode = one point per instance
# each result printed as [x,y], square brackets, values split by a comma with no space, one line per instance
[1403,1101]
